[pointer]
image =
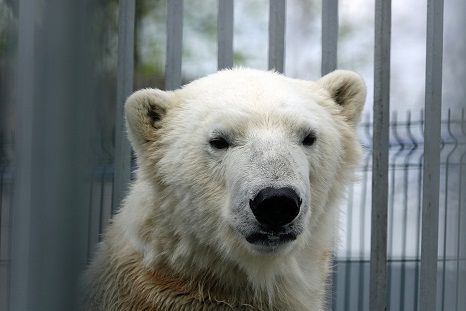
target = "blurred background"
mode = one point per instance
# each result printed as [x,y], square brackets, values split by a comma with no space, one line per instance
[59,132]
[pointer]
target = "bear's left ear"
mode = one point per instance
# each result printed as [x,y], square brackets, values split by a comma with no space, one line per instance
[348,90]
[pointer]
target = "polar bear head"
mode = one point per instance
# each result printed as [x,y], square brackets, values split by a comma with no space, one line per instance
[243,164]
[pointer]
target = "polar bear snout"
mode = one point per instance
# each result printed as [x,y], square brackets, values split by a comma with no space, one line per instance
[275,207]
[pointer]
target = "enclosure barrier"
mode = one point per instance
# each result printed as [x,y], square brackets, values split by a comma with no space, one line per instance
[49,228]
[381,108]
[126,20]
[431,180]
[277,19]
[38,271]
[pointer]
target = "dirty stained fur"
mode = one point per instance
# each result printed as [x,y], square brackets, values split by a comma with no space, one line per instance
[159,289]
[156,290]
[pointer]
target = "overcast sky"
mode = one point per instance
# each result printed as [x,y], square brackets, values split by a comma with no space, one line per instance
[355,47]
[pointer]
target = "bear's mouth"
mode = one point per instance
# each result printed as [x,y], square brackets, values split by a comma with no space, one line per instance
[270,239]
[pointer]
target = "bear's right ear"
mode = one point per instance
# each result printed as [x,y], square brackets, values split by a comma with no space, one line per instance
[144,110]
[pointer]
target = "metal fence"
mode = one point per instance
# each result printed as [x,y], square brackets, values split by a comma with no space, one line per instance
[403,245]
[351,276]
[406,154]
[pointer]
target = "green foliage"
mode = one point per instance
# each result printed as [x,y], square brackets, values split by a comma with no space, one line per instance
[239,57]
[8,29]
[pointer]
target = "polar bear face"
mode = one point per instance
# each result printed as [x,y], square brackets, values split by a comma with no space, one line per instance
[245,161]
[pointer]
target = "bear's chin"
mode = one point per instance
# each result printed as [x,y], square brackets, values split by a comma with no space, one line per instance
[271,243]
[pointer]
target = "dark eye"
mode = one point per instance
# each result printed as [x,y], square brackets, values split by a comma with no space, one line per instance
[219,143]
[309,140]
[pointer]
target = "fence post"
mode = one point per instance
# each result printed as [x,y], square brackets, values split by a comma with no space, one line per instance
[329,64]
[431,180]
[173,78]
[21,270]
[49,218]
[122,154]
[378,265]
[277,22]
[329,36]
[225,22]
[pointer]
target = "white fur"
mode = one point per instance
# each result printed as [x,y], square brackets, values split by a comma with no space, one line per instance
[188,209]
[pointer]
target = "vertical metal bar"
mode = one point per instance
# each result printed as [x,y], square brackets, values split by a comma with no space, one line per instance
[277,22]
[418,220]
[122,155]
[225,22]
[446,210]
[460,284]
[431,182]
[21,267]
[5,209]
[404,229]
[362,235]
[349,246]
[49,242]
[329,36]
[378,270]
[461,226]
[393,178]
[333,288]
[329,63]
[173,77]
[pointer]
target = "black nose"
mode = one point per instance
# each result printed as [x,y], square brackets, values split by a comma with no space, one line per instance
[275,207]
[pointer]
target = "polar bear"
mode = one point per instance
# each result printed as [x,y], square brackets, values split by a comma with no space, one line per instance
[235,203]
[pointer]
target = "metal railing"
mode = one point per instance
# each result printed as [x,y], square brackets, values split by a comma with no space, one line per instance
[351,275]
[406,155]
[410,200]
